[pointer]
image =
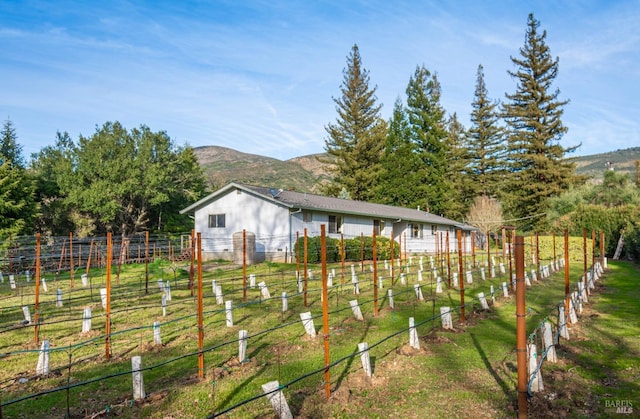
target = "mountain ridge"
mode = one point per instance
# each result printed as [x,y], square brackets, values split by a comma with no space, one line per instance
[311,172]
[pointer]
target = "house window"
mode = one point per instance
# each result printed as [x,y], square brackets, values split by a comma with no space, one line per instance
[378,226]
[416,231]
[307,216]
[216,220]
[434,229]
[335,224]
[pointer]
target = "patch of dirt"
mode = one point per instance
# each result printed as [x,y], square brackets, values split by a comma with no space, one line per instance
[232,366]
[91,404]
[435,339]
[408,350]
[90,334]
[284,350]
[151,347]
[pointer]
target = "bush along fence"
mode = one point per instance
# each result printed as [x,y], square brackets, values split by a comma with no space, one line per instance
[374,285]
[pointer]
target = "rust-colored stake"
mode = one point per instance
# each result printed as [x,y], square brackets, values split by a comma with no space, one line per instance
[521,329]
[489,252]
[473,248]
[602,249]
[392,264]
[298,254]
[325,310]
[361,252]
[193,259]
[584,249]
[593,255]
[244,265]
[89,258]
[448,260]
[400,247]
[538,256]
[554,246]
[342,254]
[566,272]
[511,240]
[375,274]
[71,259]
[120,255]
[37,316]
[200,320]
[460,277]
[146,262]
[305,274]
[107,338]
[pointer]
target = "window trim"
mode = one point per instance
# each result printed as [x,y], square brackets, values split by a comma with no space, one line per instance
[217,220]
[416,230]
[335,226]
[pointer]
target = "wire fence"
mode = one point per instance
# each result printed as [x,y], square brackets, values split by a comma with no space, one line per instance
[432,274]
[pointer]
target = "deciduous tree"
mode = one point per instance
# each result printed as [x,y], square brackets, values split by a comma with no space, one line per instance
[123,181]
[486,215]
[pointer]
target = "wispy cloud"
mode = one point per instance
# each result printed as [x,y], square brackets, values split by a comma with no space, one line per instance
[260,76]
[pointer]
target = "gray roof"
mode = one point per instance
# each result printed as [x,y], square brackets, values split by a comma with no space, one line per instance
[307,201]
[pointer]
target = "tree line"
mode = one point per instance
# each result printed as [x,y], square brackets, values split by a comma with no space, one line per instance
[118,180]
[423,158]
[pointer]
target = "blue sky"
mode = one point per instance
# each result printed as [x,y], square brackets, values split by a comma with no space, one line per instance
[260,76]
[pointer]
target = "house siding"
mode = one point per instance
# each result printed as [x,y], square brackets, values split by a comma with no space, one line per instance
[275,221]
[243,211]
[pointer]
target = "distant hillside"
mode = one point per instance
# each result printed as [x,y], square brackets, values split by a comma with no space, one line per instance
[224,165]
[308,173]
[622,161]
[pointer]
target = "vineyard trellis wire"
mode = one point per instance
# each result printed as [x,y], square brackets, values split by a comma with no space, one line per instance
[238,289]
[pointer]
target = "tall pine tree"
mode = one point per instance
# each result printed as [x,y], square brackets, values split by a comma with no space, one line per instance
[9,147]
[428,134]
[533,114]
[357,138]
[461,196]
[485,143]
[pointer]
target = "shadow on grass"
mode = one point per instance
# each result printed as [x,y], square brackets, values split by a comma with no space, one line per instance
[508,392]
[347,367]
[236,391]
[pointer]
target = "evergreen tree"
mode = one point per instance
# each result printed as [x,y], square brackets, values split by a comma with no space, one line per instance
[9,147]
[486,142]
[428,135]
[18,207]
[457,156]
[399,178]
[356,140]
[533,114]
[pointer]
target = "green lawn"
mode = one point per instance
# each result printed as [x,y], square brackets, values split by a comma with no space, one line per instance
[469,371]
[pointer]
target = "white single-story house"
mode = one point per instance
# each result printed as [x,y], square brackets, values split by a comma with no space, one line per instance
[272,218]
